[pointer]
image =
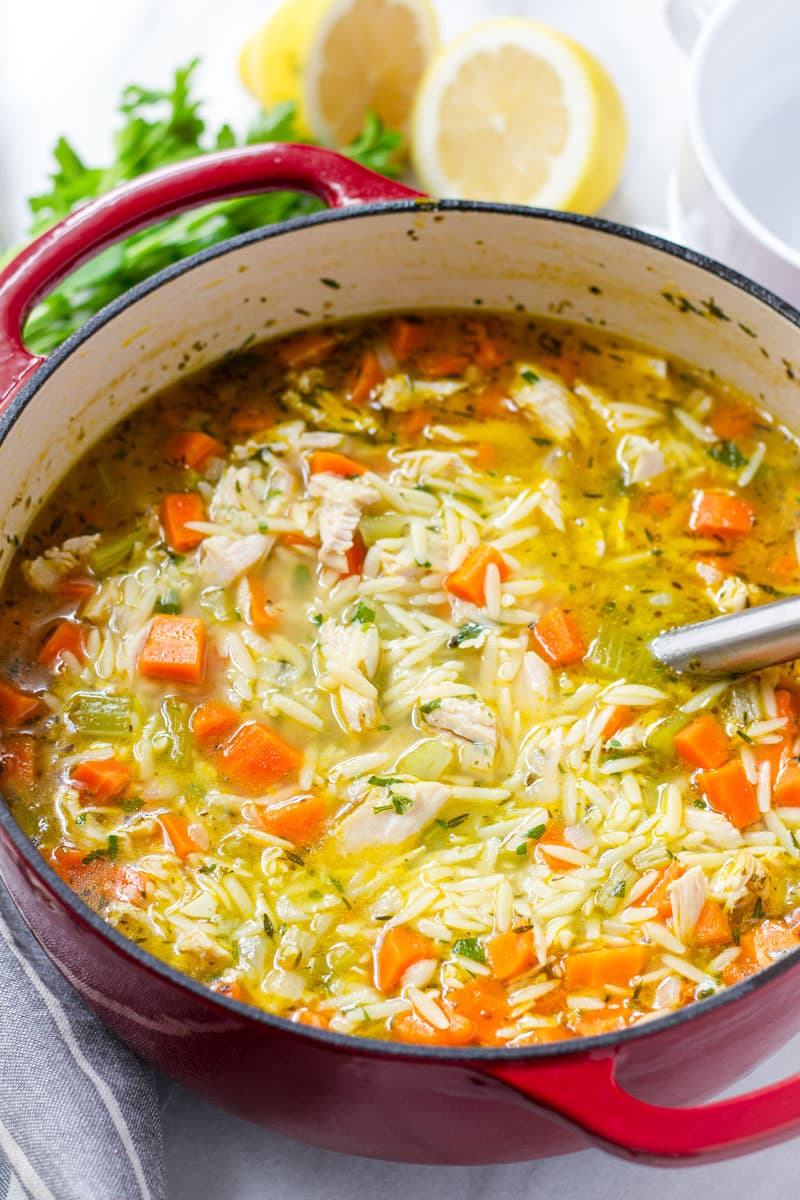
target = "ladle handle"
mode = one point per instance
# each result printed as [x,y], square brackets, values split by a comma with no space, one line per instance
[734,644]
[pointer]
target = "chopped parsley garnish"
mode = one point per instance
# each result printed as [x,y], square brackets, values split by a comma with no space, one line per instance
[470,948]
[110,852]
[429,706]
[383,780]
[269,928]
[529,376]
[467,633]
[728,454]
[363,614]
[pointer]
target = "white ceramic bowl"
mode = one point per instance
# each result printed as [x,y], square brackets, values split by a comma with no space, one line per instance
[734,194]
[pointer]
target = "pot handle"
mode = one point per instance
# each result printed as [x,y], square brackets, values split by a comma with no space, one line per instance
[332,178]
[586,1093]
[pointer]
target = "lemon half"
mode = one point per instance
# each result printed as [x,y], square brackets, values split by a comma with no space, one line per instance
[337,58]
[515,112]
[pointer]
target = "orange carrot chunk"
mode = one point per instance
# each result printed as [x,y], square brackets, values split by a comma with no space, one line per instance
[256,757]
[397,950]
[370,374]
[191,449]
[411,1028]
[433,364]
[355,555]
[545,849]
[175,650]
[596,969]
[557,639]
[768,941]
[177,509]
[731,421]
[230,988]
[66,638]
[405,338]
[306,348]
[97,880]
[592,1022]
[468,581]
[712,928]
[307,1016]
[213,722]
[103,779]
[76,589]
[489,351]
[328,462]
[16,706]
[261,612]
[729,791]
[484,1002]
[177,838]
[720,514]
[510,953]
[618,719]
[786,792]
[17,761]
[703,743]
[300,819]
[658,894]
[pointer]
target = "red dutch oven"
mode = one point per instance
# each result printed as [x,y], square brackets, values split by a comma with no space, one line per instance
[382,247]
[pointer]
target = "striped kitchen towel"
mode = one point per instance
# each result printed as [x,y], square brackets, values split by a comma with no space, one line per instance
[79,1116]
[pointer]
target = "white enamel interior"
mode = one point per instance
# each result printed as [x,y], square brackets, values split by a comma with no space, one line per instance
[383,261]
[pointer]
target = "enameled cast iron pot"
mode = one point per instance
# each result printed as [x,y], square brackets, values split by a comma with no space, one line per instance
[383,247]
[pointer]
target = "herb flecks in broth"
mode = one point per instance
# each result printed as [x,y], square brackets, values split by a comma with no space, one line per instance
[325,679]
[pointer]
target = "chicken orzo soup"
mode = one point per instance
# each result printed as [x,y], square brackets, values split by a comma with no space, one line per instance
[325,680]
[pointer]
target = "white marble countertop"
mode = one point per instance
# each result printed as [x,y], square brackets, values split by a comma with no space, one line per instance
[62,67]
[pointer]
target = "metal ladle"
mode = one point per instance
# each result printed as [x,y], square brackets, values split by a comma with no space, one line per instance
[734,644]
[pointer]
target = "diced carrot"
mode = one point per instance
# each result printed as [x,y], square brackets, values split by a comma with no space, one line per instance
[485,455]
[739,969]
[545,848]
[261,612]
[16,706]
[729,791]
[468,581]
[703,743]
[551,1003]
[97,880]
[176,835]
[17,761]
[712,928]
[434,364]
[489,352]
[177,509]
[557,638]
[784,567]
[768,941]
[720,514]
[594,970]
[103,779]
[786,792]
[659,504]
[510,953]
[415,421]
[297,539]
[328,462]
[409,1027]
[657,895]
[250,420]
[256,757]
[594,1021]
[355,555]
[192,448]
[731,420]
[484,1002]
[175,649]
[370,374]
[618,718]
[300,819]
[542,1036]
[396,950]
[406,338]
[307,1016]
[306,349]
[489,402]
[213,722]
[231,988]
[786,704]
[711,566]
[66,638]
[77,589]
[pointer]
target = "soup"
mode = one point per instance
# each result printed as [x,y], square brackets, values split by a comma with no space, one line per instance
[325,679]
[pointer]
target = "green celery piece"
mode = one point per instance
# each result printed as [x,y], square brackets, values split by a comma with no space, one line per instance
[618,653]
[97,715]
[611,894]
[661,737]
[175,714]
[111,553]
[428,759]
[170,602]
[386,525]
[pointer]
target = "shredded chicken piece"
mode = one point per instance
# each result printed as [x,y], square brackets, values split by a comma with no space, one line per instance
[640,458]
[732,594]
[741,879]
[350,656]
[45,573]
[198,943]
[400,395]
[553,407]
[342,504]
[224,559]
[687,895]
[471,725]
[365,827]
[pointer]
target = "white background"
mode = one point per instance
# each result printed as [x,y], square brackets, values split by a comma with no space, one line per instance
[63,64]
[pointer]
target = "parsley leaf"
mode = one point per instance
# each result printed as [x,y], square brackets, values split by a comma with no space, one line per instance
[729,454]
[467,633]
[470,948]
[362,614]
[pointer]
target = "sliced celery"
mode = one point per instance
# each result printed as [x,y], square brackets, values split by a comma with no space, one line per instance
[109,554]
[661,738]
[170,602]
[217,603]
[426,759]
[621,654]
[97,715]
[175,714]
[385,525]
[610,896]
